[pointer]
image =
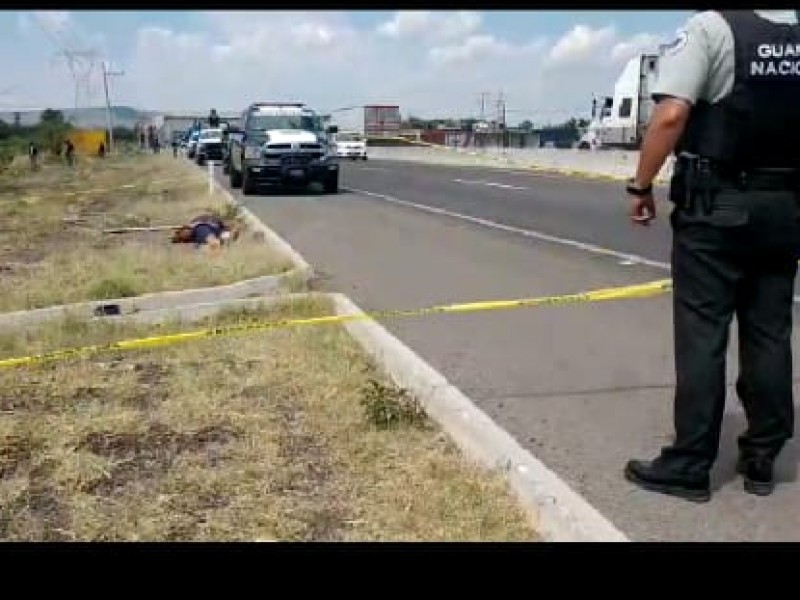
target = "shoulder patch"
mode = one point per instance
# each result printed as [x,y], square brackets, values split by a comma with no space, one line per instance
[678,43]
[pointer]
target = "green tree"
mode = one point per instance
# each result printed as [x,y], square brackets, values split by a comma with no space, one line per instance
[52,116]
[52,130]
[415,123]
[526,125]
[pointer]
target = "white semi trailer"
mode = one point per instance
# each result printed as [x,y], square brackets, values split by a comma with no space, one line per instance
[619,121]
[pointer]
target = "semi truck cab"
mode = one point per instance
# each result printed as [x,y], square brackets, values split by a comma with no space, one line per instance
[619,121]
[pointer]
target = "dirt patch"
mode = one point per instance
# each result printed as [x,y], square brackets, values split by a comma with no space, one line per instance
[272,435]
[14,451]
[147,455]
[56,221]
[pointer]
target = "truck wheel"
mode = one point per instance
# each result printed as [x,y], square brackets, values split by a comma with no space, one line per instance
[331,185]
[200,161]
[364,157]
[236,179]
[247,186]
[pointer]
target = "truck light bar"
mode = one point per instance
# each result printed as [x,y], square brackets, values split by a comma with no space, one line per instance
[294,104]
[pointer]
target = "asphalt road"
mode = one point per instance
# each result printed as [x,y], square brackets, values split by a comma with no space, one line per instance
[591,211]
[584,387]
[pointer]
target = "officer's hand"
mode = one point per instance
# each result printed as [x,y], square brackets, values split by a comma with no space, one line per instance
[643,209]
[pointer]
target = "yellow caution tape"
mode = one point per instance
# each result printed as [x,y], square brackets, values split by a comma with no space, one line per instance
[619,293]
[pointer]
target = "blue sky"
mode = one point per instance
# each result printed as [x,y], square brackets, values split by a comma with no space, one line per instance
[547,63]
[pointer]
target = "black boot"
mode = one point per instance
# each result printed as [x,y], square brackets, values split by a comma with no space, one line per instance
[757,473]
[655,476]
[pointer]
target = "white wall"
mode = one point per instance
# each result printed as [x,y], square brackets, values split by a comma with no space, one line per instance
[612,163]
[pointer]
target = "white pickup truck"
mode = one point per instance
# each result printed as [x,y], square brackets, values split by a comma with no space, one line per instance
[285,145]
[209,146]
[351,145]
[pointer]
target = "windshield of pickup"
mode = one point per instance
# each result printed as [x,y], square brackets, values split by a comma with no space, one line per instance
[266,122]
[210,133]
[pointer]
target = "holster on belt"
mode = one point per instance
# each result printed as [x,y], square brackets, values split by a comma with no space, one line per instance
[695,184]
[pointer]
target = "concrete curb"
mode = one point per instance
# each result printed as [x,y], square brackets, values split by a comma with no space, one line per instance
[268,284]
[193,312]
[559,513]
[302,267]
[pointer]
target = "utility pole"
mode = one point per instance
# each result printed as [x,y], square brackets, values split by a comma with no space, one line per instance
[109,117]
[501,116]
[483,96]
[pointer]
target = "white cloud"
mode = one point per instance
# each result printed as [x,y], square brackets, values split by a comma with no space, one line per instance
[425,24]
[581,43]
[248,56]
[587,47]
[407,24]
[430,63]
[479,49]
[62,30]
[54,21]
[641,42]
[458,24]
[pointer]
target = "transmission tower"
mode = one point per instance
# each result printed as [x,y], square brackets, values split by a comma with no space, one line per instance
[80,59]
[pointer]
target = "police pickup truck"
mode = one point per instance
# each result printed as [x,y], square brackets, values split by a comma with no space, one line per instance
[283,145]
[209,146]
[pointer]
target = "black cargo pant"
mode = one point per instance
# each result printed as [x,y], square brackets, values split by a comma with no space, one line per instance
[740,259]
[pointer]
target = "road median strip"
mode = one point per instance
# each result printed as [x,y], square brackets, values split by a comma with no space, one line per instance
[56,250]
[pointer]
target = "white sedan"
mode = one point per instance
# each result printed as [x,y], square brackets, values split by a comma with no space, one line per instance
[351,146]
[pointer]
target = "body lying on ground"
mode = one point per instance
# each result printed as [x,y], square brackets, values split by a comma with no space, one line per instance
[207,230]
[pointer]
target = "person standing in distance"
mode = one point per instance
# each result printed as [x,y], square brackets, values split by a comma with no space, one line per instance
[727,94]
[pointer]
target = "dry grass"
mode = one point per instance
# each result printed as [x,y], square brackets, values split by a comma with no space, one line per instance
[288,434]
[53,250]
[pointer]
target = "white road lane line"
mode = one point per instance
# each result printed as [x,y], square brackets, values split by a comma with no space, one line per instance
[489,184]
[623,257]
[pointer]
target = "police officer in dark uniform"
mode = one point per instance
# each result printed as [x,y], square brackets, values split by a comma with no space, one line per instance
[728,105]
[213,119]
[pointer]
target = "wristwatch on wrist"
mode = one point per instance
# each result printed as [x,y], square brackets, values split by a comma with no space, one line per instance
[633,190]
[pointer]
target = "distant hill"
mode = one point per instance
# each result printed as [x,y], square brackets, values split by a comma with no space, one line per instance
[90,118]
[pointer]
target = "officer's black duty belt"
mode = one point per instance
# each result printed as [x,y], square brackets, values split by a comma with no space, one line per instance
[757,179]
